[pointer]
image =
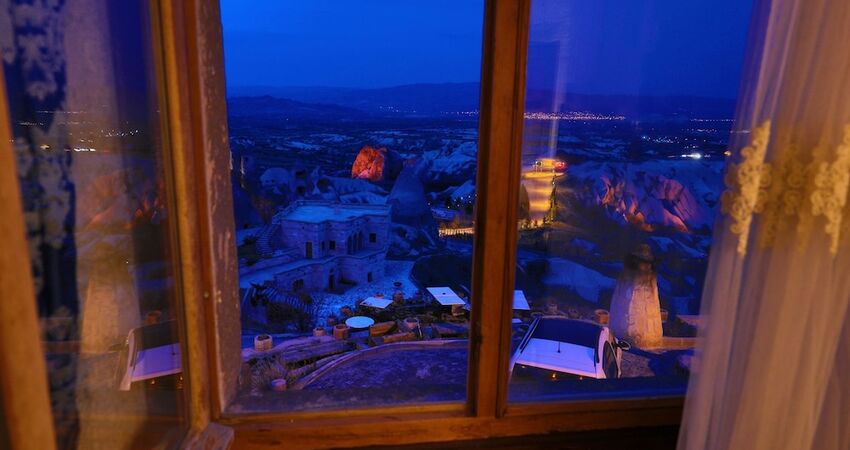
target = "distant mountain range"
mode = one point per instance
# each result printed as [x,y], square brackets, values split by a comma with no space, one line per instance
[437,99]
[424,99]
[275,108]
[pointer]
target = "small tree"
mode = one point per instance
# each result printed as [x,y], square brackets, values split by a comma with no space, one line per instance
[551,213]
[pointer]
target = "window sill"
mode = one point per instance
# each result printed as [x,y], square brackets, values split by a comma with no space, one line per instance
[444,423]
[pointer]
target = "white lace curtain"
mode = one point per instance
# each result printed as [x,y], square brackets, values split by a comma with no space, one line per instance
[774,358]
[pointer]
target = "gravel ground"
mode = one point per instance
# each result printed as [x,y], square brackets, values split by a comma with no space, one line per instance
[393,271]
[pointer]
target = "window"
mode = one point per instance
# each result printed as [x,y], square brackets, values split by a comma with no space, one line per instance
[280,292]
[389,150]
[623,148]
[93,169]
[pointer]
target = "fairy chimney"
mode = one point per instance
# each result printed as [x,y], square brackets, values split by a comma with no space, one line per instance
[635,313]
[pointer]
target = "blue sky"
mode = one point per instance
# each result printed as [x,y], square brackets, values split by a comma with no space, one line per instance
[652,47]
[351,43]
[656,47]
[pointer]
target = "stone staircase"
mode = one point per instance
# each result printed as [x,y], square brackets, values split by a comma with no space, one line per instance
[264,237]
[274,296]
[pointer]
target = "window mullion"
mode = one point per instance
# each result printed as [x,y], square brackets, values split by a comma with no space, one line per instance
[193,85]
[500,144]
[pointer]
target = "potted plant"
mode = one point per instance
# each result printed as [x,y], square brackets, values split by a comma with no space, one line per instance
[411,323]
[341,331]
[602,316]
[262,342]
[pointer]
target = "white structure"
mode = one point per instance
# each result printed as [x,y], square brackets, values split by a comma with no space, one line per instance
[520,302]
[319,244]
[275,176]
[445,296]
[568,346]
[375,302]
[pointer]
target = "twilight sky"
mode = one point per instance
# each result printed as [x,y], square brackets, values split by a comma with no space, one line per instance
[650,47]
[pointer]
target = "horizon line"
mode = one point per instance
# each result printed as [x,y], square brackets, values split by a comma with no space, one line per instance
[260,86]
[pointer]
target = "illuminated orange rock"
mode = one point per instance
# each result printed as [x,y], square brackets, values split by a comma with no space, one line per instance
[370,164]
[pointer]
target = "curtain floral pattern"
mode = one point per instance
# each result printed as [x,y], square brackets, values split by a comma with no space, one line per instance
[787,190]
[32,49]
[33,56]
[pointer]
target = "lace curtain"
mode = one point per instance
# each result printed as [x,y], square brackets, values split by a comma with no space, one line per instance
[774,358]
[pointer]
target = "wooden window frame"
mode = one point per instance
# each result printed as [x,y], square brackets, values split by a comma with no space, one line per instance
[188,40]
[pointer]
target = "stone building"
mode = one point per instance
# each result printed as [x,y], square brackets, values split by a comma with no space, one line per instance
[318,245]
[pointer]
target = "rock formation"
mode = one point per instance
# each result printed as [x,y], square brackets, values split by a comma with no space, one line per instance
[651,195]
[635,313]
[375,164]
[413,229]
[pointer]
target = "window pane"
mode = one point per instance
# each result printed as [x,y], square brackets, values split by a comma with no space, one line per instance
[353,131]
[629,106]
[81,83]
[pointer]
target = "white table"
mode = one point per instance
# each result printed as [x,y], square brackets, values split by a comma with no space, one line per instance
[359,322]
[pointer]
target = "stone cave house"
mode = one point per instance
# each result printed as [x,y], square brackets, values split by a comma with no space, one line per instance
[317,245]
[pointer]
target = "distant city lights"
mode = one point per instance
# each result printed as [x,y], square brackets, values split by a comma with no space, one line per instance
[571,115]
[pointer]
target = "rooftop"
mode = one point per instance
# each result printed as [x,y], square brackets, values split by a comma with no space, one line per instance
[317,212]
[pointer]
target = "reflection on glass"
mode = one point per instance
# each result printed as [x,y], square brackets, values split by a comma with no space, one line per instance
[629,107]
[83,102]
[353,130]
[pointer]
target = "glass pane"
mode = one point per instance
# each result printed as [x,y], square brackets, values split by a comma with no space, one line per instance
[353,131]
[81,82]
[629,107]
